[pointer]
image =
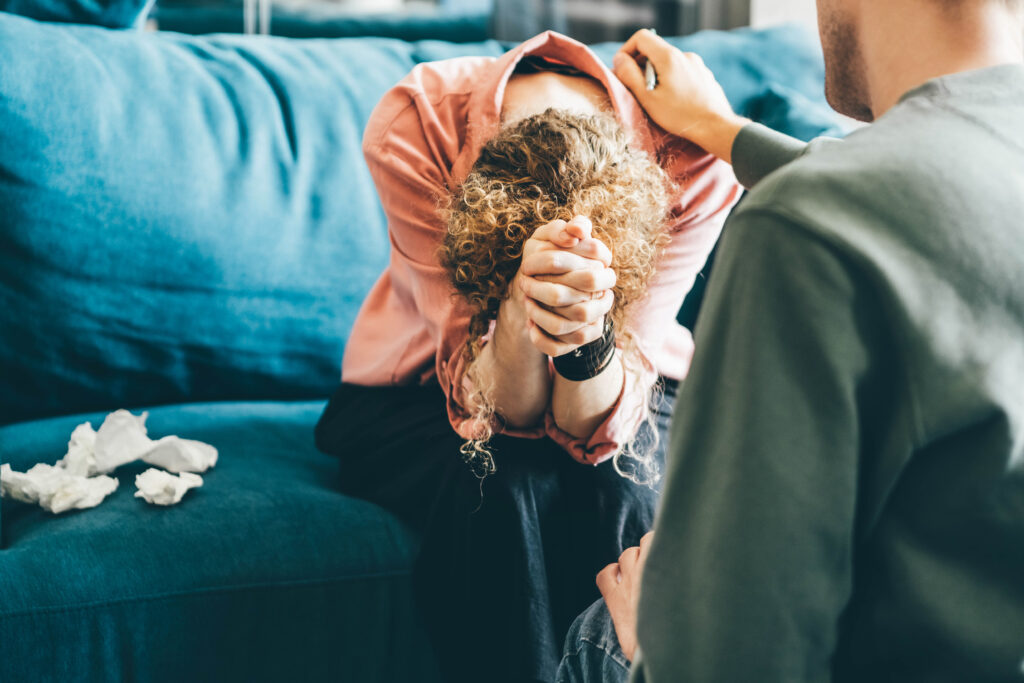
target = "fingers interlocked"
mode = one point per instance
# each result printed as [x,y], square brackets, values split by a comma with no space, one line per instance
[567,281]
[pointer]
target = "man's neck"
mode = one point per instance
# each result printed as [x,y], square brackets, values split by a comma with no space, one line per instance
[909,42]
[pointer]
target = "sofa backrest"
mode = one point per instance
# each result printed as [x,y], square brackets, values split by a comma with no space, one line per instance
[109,13]
[190,218]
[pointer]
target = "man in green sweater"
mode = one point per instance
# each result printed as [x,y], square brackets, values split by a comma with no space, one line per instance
[844,499]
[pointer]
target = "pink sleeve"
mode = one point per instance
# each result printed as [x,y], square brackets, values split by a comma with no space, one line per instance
[409,146]
[709,192]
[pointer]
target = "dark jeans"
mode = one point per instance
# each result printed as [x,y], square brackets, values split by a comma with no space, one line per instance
[592,651]
[507,565]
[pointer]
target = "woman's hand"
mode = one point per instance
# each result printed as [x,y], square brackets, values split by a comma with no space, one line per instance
[688,101]
[564,284]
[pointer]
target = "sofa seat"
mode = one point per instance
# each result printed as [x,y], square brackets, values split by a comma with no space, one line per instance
[229,584]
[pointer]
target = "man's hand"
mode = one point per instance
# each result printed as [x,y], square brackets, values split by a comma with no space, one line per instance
[687,101]
[619,583]
[565,284]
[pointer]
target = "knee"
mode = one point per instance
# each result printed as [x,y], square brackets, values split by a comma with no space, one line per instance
[592,653]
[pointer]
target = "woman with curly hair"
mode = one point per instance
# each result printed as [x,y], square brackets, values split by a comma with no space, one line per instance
[507,384]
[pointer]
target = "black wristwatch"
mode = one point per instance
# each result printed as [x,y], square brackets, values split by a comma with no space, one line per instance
[590,360]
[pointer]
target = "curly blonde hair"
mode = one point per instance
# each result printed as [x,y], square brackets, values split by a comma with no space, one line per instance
[554,165]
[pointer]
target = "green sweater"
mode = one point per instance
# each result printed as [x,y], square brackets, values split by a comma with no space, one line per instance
[844,499]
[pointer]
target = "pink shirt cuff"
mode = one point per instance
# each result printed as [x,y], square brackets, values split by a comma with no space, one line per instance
[608,438]
[618,428]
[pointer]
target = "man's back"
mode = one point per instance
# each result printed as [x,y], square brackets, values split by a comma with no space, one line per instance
[868,501]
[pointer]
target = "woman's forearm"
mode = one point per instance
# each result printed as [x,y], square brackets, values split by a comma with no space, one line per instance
[580,407]
[516,370]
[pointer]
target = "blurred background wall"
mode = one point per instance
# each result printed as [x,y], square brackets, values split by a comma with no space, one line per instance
[599,20]
[590,21]
[769,12]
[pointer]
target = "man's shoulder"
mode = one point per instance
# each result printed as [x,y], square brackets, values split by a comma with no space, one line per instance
[910,178]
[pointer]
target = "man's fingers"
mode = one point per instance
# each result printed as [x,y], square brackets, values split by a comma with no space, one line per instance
[646,43]
[628,560]
[645,548]
[642,47]
[628,71]
[608,579]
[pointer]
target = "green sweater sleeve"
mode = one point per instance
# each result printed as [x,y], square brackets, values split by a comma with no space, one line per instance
[759,150]
[751,564]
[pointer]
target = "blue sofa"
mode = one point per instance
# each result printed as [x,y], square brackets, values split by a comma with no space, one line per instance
[187,227]
[460,21]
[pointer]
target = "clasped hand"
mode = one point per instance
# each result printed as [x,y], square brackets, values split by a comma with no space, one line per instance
[565,285]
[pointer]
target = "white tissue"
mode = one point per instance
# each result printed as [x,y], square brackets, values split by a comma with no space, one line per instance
[181,455]
[160,488]
[54,488]
[81,459]
[121,439]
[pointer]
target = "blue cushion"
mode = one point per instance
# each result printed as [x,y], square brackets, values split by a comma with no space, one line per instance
[109,13]
[263,571]
[782,107]
[462,25]
[190,218]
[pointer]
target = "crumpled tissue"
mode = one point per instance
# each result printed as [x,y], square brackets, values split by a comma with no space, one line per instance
[78,479]
[54,488]
[160,488]
[122,439]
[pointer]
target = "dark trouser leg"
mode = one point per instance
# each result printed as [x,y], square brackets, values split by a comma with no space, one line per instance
[592,652]
[500,579]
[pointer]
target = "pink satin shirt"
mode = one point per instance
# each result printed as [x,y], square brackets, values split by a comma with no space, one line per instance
[420,143]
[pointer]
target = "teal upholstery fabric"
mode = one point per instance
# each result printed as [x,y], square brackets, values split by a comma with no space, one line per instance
[459,26]
[190,218]
[265,573]
[108,13]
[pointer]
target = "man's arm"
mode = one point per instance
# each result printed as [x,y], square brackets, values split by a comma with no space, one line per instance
[751,564]
[688,102]
[758,150]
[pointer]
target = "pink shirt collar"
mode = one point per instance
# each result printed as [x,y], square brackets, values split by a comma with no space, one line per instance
[484,118]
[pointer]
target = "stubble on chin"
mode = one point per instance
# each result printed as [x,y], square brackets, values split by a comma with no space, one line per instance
[845,73]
